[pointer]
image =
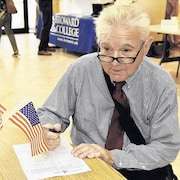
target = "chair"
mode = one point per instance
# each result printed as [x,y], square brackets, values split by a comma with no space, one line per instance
[163,49]
[171,10]
[168,56]
[97,8]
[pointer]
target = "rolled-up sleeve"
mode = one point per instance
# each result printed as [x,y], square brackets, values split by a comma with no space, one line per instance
[61,103]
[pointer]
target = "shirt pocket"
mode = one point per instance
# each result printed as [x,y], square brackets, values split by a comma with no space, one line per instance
[85,115]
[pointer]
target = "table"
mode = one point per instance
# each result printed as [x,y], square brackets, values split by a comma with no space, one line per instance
[11,169]
[76,34]
[158,29]
[166,30]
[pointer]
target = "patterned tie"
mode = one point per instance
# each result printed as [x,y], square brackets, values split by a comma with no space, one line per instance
[115,133]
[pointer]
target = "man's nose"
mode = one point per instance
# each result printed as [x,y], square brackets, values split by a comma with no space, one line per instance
[115,54]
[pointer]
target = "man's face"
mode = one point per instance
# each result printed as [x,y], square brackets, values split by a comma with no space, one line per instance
[122,42]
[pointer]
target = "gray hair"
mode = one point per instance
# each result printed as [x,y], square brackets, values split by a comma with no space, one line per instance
[123,12]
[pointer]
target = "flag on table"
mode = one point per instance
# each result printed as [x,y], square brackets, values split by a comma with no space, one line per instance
[27,120]
[2,110]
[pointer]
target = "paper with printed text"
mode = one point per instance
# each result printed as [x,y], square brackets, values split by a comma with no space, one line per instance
[59,162]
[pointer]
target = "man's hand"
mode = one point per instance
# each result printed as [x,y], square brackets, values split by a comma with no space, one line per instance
[92,151]
[52,138]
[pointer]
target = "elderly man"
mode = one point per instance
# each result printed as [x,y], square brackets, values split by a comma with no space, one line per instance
[124,108]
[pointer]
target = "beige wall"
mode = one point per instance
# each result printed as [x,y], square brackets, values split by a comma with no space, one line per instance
[155,8]
[56,5]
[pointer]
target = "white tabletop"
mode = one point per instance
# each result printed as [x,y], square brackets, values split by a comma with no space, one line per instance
[165,30]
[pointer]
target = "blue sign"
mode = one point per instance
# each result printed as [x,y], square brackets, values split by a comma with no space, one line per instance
[76,34]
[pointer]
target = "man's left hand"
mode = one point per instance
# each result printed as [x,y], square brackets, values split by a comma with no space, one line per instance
[92,151]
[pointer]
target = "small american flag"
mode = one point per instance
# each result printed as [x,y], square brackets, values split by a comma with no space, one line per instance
[27,120]
[2,110]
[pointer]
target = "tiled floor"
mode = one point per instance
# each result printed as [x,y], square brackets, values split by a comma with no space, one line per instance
[31,78]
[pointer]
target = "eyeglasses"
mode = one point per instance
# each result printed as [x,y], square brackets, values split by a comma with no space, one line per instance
[121,60]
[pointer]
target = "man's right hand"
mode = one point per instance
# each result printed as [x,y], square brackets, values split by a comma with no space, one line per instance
[52,138]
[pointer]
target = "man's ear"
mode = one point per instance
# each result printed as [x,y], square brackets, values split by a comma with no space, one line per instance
[147,44]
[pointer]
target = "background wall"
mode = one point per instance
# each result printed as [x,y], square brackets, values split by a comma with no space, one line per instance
[101,1]
[82,7]
[56,6]
[155,8]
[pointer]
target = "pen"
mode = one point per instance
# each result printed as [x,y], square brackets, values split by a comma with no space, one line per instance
[54,131]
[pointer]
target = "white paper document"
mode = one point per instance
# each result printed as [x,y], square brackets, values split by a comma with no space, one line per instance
[59,162]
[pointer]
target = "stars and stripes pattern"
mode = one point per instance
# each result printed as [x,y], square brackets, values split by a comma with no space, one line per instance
[27,120]
[2,111]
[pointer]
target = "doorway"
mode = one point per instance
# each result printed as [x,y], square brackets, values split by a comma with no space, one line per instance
[20,20]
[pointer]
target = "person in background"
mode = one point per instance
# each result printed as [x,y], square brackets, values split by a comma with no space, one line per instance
[123,107]
[45,7]
[5,21]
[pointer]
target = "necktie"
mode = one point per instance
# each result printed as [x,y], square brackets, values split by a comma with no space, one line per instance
[115,133]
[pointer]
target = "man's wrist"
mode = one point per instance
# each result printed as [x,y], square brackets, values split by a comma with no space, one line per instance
[108,157]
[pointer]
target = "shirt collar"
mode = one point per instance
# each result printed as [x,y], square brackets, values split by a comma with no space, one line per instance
[131,79]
